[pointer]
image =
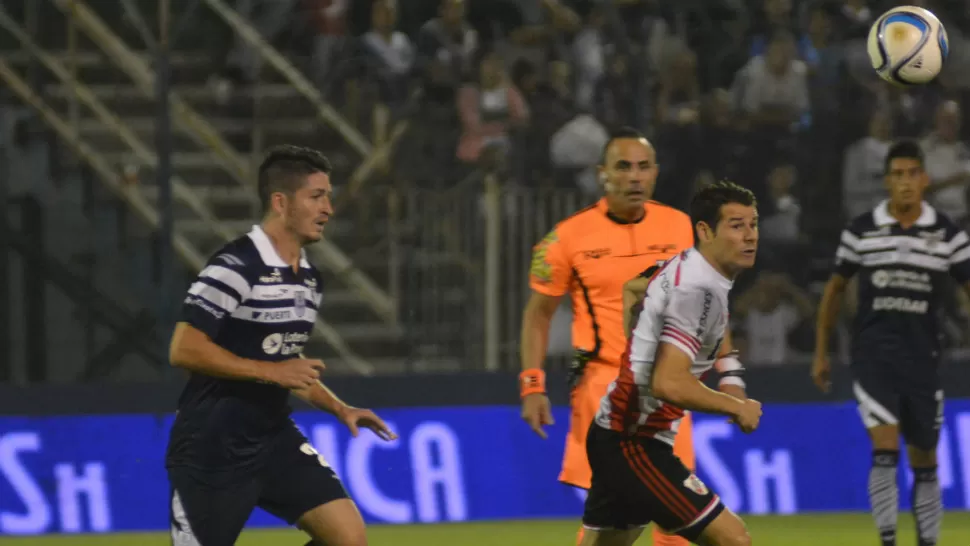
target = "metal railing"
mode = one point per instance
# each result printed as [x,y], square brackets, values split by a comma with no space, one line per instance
[461,262]
[195,125]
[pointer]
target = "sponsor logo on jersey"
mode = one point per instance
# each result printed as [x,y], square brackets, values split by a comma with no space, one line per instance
[273,277]
[596,253]
[902,279]
[708,298]
[881,232]
[696,485]
[201,303]
[272,316]
[904,305]
[284,344]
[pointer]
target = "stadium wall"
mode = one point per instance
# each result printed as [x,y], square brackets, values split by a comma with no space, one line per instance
[101,473]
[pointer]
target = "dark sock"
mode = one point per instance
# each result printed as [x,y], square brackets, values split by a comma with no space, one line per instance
[884,493]
[927,505]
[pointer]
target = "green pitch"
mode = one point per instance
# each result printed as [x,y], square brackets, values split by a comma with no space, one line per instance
[813,530]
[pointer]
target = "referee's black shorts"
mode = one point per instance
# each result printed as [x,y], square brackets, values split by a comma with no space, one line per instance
[886,397]
[294,480]
[639,480]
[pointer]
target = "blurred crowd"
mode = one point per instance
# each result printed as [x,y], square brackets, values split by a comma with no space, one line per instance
[776,94]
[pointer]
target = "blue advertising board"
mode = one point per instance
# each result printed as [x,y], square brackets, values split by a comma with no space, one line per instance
[106,473]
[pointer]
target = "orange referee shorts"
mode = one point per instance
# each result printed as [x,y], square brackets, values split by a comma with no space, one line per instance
[585,402]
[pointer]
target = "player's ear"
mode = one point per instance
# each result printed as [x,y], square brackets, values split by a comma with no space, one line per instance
[704,232]
[278,202]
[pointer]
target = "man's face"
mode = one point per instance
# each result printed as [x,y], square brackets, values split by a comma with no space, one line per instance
[308,210]
[630,171]
[906,181]
[735,241]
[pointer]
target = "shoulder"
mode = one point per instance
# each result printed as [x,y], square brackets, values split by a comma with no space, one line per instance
[861,223]
[573,225]
[239,255]
[666,211]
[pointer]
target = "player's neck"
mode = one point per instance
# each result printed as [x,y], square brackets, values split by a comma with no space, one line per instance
[287,246]
[906,215]
[725,271]
[626,213]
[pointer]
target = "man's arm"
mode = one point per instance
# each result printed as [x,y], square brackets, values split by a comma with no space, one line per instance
[730,368]
[193,350]
[536,320]
[828,312]
[322,398]
[672,382]
[633,293]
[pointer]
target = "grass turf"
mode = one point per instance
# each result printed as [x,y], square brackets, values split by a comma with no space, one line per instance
[802,530]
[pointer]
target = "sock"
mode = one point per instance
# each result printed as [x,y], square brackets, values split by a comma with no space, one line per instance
[884,493]
[579,535]
[927,505]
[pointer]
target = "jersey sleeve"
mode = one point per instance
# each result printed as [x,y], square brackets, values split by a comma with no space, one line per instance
[847,258]
[959,245]
[550,271]
[690,312]
[216,293]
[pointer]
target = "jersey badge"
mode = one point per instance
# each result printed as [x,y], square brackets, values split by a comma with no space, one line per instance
[540,268]
[273,277]
[696,485]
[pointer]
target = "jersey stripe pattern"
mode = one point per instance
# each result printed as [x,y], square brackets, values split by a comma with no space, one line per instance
[250,302]
[903,281]
[685,307]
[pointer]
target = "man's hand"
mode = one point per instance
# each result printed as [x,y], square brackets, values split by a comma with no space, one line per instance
[749,416]
[822,372]
[357,417]
[296,373]
[537,412]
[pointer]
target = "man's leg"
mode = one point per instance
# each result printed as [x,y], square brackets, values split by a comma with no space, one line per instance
[301,489]
[921,418]
[727,529]
[584,403]
[209,514]
[878,409]
[684,450]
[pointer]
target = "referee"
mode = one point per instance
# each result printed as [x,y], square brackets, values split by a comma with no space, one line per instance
[243,325]
[902,252]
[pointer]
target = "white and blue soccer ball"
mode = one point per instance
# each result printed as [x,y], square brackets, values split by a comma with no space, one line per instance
[908,46]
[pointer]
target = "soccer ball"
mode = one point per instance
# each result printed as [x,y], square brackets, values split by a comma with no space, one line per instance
[907,46]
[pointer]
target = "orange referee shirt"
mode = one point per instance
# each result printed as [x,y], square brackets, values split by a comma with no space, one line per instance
[591,255]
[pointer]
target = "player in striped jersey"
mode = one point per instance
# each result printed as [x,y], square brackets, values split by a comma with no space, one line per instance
[902,253]
[676,340]
[243,326]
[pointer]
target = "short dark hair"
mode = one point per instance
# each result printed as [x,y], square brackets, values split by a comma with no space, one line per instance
[706,204]
[904,149]
[621,133]
[285,168]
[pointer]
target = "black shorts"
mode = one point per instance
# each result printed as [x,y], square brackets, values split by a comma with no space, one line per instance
[887,399]
[294,480]
[639,480]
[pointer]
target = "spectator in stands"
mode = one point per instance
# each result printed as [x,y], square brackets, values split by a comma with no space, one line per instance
[447,46]
[329,18]
[856,17]
[947,162]
[679,94]
[778,16]
[864,168]
[766,315]
[489,110]
[723,138]
[772,90]
[782,223]
[614,97]
[589,57]
[390,50]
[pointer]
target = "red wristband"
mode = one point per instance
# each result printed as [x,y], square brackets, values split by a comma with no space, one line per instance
[532,381]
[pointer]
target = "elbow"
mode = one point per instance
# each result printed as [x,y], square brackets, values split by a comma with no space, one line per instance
[666,388]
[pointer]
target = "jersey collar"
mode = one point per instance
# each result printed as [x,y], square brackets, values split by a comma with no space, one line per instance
[881,216]
[605,209]
[267,252]
[721,280]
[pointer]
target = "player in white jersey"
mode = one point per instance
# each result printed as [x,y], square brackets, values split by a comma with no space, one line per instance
[677,338]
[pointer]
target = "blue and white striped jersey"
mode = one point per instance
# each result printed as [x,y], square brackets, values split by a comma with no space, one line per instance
[902,283]
[254,305]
